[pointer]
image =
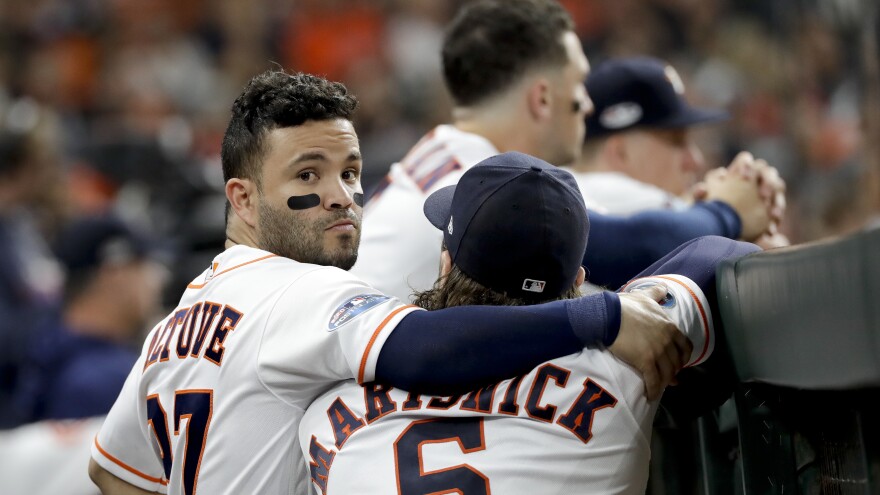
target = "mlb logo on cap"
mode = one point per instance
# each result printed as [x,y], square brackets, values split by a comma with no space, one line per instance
[640,92]
[533,285]
[520,225]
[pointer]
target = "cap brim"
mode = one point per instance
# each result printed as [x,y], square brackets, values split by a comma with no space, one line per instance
[438,206]
[685,118]
[692,116]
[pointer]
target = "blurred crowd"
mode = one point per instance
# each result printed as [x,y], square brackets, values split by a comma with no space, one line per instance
[121,105]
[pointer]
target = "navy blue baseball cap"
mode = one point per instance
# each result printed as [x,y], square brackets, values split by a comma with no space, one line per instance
[640,92]
[515,224]
[89,242]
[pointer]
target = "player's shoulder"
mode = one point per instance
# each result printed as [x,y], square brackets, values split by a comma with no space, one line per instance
[241,260]
[467,147]
[267,266]
[618,182]
[457,151]
[446,142]
[608,183]
[276,272]
[332,278]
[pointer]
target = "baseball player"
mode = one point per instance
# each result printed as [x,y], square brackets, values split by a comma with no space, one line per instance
[217,393]
[638,153]
[75,367]
[576,424]
[515,70]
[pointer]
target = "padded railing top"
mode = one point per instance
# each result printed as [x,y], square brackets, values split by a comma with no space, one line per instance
[807,316]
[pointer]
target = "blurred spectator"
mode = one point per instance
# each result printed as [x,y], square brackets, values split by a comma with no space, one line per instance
[30,278]
[325,37]
[76,368]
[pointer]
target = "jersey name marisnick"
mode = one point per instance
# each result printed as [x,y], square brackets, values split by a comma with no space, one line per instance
[494,399]
[191,327]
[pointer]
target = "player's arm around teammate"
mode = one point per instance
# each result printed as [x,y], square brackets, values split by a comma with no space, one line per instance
[351,426]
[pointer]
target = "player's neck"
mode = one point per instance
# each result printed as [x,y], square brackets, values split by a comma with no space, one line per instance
[239,233]
[505,130]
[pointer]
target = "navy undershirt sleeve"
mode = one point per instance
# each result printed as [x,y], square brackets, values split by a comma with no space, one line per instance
[621,247]
[454,350]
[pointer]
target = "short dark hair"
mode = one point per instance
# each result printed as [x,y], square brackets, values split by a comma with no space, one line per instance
[491,43]
[276,99]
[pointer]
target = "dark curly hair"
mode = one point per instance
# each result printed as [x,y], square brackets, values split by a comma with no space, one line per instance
[492,43]
[271,100]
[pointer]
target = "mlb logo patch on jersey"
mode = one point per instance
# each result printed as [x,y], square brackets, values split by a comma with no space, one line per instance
[533,285]
[667,302]
[353,307]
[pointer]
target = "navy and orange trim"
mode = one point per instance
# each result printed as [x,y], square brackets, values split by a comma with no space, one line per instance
[363,366]
[435,175]
[199,286]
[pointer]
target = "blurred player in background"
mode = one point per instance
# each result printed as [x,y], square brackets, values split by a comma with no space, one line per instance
[113,287]
[516,73]
[577,424]
[638,153]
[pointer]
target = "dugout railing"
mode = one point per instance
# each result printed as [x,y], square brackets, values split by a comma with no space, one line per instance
[803,328]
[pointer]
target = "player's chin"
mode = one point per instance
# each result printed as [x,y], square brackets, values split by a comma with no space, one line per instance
[344,259]
[345,252]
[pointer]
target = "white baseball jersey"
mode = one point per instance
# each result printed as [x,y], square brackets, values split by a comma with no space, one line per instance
[400,250]
[213,404]
[620,194]
[577,424]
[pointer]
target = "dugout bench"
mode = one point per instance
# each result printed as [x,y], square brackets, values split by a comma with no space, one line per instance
[803,327]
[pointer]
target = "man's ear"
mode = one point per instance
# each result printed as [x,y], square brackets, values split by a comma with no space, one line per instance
[581,276]
[242,197]
[539,99]
[615,151]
